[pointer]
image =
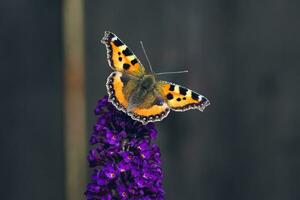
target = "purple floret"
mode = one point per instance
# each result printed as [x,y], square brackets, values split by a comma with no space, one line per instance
[126,165]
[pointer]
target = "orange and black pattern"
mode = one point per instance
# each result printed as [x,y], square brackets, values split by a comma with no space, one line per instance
[120,57]
[180,98]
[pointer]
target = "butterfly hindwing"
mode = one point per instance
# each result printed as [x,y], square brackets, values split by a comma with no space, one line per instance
[120,87]
[120,57]
[115,85]
[180,98]
[154,108]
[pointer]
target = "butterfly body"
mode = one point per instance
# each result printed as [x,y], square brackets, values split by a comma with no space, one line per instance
[138,93]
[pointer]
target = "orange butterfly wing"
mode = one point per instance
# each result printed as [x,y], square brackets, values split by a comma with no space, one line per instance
[180,98]
[154,108]
[115,87]
[120,57]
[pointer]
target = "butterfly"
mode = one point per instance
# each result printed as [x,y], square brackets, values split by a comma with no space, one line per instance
[134,91]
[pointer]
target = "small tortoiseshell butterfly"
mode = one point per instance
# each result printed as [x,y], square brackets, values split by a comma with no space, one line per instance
[134,91]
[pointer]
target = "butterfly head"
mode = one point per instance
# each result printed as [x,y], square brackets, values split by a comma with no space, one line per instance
[148,82]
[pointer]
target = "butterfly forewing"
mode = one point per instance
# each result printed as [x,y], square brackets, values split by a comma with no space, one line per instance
[120,57]
[180,98]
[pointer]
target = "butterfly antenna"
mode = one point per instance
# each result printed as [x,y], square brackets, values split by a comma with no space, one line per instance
[176,72]
[146,56]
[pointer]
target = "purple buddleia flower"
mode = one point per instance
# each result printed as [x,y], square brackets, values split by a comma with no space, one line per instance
[126,165]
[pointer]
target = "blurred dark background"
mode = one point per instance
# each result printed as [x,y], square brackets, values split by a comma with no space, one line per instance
[242,55]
